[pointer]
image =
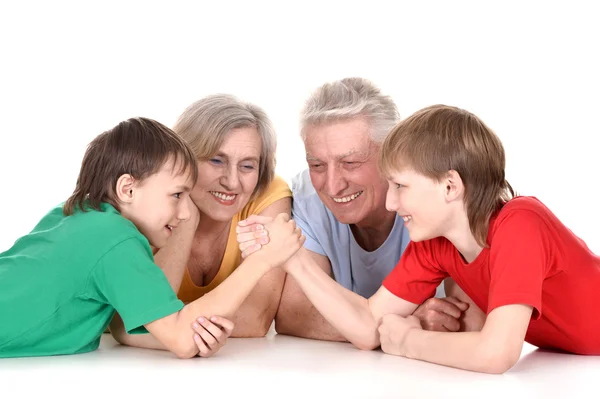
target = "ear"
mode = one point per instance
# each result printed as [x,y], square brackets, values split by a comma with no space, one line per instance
[453,186]
[125,189]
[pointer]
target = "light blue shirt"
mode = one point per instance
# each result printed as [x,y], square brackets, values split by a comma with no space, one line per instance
[353,267]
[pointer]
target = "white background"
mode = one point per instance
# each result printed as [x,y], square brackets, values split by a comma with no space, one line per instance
[69,71]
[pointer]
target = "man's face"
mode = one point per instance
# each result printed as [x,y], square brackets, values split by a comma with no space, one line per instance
[342,162]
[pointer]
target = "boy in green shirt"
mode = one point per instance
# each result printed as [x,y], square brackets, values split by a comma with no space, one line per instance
[61,284]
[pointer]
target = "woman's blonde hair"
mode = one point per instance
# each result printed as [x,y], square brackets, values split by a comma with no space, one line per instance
[441,138]
[205,124]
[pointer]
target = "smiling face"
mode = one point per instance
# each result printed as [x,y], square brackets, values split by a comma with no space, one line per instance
[422,202]
[157,204]
[228,179]
[342,162]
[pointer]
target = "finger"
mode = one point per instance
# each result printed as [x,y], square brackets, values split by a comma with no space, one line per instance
[200,329]
[249,228]
[447,323]
[243,237]
[226,324]
[442,306]
[457,302]
[245,245]
[201,345]
[213,330]
[250,250]
[255,219]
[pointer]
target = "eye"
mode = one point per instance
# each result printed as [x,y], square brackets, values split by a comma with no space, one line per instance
[215,161]
[177,195]
[398,185]
[351,164]
[315,166]
[248,168]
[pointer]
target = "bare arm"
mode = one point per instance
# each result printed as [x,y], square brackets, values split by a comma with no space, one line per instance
[494,349]
[297,316]
[355,317]
[255,315]
[174,331]
[173,257]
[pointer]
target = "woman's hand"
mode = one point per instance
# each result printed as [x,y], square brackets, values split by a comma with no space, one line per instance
[211,335]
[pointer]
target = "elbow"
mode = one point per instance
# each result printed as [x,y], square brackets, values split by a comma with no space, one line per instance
[499,362]
[366,345]
[183,349]
[368,340]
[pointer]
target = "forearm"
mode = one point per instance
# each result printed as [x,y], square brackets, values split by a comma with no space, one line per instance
[349,313]
[298,317]
[464,350]
[225,299]
[174,257]
[255,315]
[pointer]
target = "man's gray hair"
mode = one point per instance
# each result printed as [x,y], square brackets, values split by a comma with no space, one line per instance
[347,99]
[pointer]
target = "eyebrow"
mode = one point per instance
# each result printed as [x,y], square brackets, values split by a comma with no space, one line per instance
[340,157]
[251,158]
[183,188]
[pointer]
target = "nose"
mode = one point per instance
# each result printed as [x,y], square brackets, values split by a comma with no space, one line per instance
[391,200]
[183,213]
[230,180]
[335,181]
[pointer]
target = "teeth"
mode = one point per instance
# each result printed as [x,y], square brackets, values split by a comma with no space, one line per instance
[170,227]
[223,196]
[348,198]
[406,218]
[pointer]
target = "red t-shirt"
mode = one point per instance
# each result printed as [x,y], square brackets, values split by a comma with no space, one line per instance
[532,259]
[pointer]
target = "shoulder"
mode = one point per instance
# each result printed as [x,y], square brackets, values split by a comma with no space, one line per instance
[304,193]
[277,189]
[104,225]
[523,209]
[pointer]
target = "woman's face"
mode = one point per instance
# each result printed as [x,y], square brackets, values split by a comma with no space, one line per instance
[227,180]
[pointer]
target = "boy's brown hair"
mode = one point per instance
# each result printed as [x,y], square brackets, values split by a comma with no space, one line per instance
[137,146]
[441,138]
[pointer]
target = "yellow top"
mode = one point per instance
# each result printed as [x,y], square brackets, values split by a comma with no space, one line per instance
[277,190]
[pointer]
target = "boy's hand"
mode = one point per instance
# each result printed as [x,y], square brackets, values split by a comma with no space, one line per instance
[251,234]
[211,335]
[393,331]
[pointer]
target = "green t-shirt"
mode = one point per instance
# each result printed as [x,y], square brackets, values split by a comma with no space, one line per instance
[61,284]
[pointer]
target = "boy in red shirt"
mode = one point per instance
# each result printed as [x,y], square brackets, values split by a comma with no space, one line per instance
[534,278]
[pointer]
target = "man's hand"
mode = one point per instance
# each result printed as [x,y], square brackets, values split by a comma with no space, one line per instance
[441,314]
[211,335]
[393,331]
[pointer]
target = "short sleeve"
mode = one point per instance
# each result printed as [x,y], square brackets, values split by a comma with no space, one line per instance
[518,261]
[129,280]
[277,190]
[300,216]
[417,275]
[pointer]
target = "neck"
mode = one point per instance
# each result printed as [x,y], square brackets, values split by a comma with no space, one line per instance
[371,232]
[211,227]
[461,237]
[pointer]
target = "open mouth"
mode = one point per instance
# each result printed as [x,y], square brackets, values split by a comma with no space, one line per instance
[349,198]
[223,197]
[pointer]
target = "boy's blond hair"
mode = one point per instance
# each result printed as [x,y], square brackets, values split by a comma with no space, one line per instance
[441,138]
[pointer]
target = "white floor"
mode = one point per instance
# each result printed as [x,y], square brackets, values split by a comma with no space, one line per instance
[282,367]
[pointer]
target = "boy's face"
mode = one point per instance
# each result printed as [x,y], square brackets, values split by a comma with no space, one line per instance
[421,202]
[159,203]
